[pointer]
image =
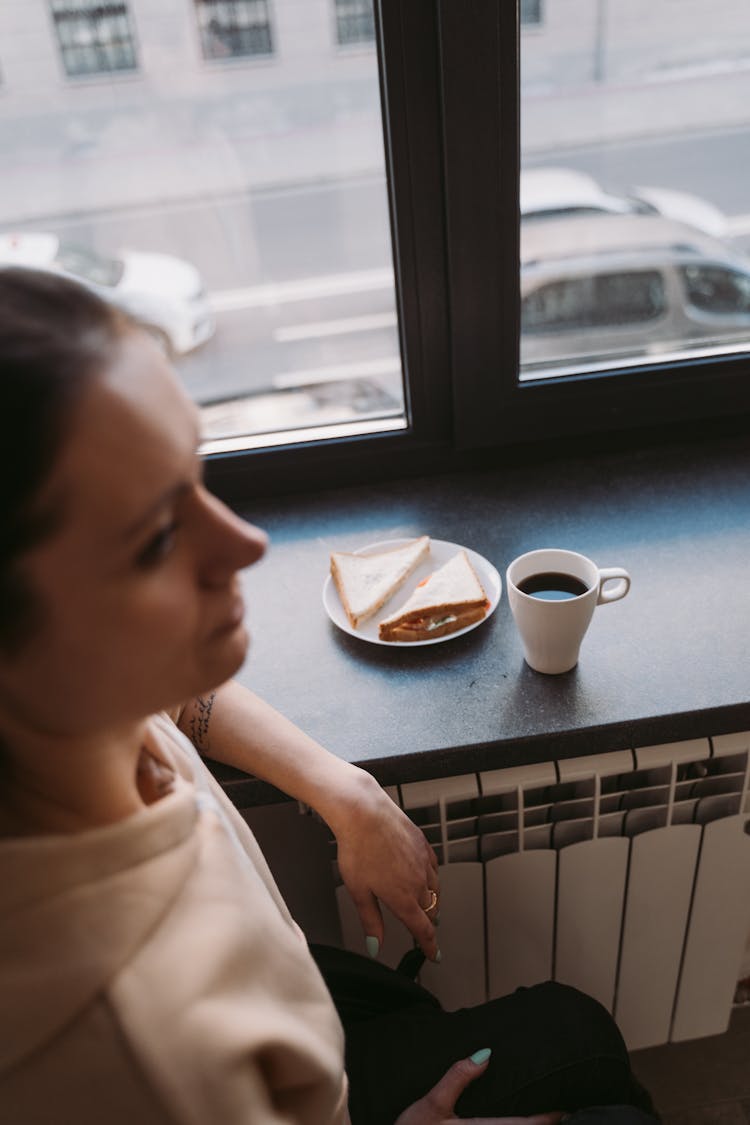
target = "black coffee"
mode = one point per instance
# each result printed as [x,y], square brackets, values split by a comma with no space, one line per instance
[552,587]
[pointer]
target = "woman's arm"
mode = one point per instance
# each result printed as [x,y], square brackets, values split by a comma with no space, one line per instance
[381,854]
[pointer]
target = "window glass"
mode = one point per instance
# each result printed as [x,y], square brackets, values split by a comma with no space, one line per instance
[87,266]
[232,28]
[239,212]
[531,11]
[714,289]
[634,146]
[355,21]
[594,301]
[93,38]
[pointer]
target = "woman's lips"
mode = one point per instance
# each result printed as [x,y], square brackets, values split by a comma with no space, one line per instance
[234,618]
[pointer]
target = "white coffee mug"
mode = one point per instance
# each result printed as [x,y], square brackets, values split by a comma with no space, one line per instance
[552,630]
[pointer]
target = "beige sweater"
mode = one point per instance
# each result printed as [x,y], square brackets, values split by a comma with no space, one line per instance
[150,974]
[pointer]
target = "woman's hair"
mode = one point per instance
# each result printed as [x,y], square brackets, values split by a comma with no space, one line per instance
[55,337]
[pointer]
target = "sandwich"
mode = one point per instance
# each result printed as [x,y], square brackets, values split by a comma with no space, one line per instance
[449,599]
[366,582]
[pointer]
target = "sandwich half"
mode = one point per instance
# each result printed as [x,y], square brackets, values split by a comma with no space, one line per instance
[447,600]
[366,582]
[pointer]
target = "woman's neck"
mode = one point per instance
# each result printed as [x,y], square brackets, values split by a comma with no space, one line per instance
[55,784]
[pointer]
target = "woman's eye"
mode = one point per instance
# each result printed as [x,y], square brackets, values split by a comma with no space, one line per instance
[159,546]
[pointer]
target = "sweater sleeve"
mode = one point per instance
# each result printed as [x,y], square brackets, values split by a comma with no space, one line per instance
[225,1008]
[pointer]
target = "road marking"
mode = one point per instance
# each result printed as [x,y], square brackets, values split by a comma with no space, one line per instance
[335,327]
[387,365]
[281,292]
[338,284]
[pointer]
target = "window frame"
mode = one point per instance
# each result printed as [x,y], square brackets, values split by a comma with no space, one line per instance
[407,40]
[451,106]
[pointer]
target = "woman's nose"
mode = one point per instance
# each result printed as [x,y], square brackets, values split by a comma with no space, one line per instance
[228,542]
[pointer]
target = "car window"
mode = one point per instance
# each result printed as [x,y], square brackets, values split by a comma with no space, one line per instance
[92,267]
[610,299]
[717,289]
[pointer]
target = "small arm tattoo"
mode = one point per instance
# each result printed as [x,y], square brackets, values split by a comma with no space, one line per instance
[200,721]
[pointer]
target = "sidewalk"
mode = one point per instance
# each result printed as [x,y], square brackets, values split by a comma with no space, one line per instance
[136,159]
[677,102]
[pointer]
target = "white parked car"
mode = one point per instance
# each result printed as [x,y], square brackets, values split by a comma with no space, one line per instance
[162,293]
[598,287]
[563,192]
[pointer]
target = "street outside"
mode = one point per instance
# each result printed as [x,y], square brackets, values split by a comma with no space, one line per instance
[300,278]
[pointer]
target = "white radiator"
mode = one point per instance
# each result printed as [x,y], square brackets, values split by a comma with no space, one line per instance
[625,874]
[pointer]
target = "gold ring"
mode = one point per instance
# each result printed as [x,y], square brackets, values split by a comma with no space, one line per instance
[433,902]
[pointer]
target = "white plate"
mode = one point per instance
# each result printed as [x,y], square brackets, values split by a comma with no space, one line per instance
[440,552]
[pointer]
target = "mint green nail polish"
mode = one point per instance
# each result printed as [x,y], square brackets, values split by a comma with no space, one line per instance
[438,957]
[373,945]
[480,1057]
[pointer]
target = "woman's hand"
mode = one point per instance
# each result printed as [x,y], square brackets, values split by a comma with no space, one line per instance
[383,856]
[437,1107]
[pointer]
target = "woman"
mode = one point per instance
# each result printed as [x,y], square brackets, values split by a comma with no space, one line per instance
[150,971]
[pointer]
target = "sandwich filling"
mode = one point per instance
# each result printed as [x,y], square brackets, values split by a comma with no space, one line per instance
[450,599]
[441,621]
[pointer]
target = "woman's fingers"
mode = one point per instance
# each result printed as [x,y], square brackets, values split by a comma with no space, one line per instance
[536,1119]
[414,918]
[371,919]
[384,857]
[422,928]
[420,914]
[437,1107]
[442,1098]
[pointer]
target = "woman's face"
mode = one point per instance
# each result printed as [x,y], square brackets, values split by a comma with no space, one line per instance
[138,588]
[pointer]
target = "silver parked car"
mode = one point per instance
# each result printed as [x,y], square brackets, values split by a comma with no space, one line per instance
[601,287]
[549,193]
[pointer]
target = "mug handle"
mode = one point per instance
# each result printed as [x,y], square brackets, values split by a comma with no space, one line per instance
[618,591]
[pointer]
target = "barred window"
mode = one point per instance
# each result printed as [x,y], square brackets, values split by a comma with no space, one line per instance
[94,38]
[233,28]
[531,12]
[355,21]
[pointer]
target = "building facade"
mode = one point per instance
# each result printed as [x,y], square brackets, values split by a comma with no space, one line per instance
[110,104]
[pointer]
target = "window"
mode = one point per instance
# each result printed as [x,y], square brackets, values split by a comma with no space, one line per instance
[718,290]
[355,21]
[233,28]
[333,254]
[531,12]
[240,213]
[608,178]
[94,38]
[596,301]
[84,264]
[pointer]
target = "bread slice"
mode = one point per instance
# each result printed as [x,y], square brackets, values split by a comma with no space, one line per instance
[366,582]
[449,599]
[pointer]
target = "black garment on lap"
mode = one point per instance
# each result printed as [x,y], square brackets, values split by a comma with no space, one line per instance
[552,1047]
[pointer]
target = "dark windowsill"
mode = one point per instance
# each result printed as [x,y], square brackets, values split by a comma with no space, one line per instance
[669,662]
